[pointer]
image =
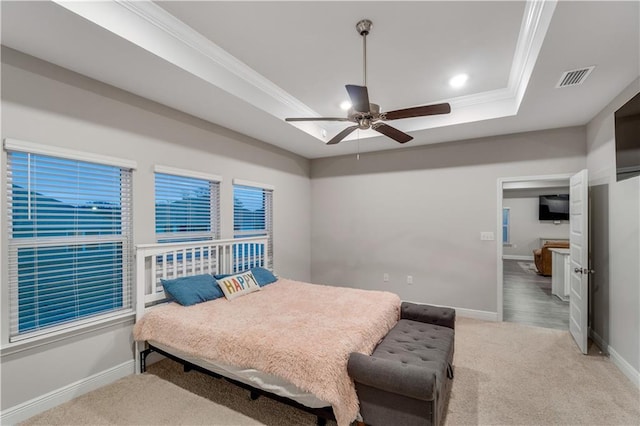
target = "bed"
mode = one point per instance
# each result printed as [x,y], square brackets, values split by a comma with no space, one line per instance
[290,339]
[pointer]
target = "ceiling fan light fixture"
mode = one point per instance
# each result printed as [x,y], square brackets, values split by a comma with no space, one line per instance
[458,80]
[345,105]
[366,115]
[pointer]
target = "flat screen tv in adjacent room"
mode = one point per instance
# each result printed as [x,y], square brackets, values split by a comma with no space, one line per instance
[627,122]
[554,207]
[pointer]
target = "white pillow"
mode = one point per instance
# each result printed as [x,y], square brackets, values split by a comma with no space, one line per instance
[238,285]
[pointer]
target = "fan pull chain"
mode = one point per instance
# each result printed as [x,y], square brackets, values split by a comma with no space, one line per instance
[358,145]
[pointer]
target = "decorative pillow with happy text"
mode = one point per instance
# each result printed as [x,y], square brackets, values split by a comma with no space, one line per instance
[238,285]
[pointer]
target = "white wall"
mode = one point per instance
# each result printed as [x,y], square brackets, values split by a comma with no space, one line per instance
[49,105]
[420,212]
[615,244]
[526,230]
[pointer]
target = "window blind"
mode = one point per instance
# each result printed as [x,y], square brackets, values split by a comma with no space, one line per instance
[187,209]
[253,214]
[69,242]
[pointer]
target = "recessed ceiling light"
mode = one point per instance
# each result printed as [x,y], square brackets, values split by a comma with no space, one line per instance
[458,80]
[345,105]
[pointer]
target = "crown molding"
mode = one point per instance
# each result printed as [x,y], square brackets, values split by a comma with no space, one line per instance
[163,20]
[154,29]
[535,23]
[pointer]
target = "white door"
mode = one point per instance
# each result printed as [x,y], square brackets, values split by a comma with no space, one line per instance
[579,270]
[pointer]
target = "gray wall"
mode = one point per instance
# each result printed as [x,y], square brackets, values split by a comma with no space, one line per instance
[615,240]
[46,104]
[412,212]
[420,212]
[526,229]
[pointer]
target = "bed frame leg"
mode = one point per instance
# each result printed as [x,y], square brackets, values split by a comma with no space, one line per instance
[143,359]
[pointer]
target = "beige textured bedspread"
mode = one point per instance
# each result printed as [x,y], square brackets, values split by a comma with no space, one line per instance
[301,332]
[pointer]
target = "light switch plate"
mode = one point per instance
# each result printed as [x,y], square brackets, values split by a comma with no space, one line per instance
[487,236]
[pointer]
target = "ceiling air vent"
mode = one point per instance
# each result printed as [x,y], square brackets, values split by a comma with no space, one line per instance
[574,77]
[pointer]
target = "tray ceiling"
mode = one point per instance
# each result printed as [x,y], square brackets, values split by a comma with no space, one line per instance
[248,65]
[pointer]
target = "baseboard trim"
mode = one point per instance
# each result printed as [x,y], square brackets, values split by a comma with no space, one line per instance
[626,368]
[604,347]
[481,315]
[466,313]
[37,405]
[517,257]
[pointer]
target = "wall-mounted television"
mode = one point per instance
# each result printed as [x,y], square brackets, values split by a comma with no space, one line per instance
[554,207]
[627,122]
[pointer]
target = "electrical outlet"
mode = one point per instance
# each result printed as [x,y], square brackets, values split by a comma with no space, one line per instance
[409,279]
[385,277]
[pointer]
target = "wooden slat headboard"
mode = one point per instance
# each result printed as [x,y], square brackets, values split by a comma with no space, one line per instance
[174,260]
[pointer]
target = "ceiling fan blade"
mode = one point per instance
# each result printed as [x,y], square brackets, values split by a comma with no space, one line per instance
[392,132]
[419,111]
[343,134]
[318,119]
[359,96]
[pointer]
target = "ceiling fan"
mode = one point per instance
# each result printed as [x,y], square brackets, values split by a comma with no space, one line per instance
[367,115]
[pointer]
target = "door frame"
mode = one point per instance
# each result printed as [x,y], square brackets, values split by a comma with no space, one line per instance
[499,247]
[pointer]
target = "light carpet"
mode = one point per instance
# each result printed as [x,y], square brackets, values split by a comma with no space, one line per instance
[505,374]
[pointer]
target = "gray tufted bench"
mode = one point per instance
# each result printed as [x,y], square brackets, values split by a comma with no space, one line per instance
[407,379]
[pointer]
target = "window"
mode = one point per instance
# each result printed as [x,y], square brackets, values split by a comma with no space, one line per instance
[187,207]
[70,248]
[253,212]
[506,232]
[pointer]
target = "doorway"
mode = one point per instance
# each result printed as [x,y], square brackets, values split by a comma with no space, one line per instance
[524,295]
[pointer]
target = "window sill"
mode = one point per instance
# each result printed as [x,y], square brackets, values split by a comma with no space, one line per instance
[47,339]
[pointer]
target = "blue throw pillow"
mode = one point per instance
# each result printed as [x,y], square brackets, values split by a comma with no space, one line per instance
[263,276]
[188,291]
[221,276]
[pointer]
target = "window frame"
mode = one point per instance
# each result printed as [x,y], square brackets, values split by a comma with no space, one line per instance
[125,236]
[268,193]
[215,182]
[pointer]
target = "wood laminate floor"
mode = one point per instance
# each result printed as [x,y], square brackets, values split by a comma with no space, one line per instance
[527,298]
